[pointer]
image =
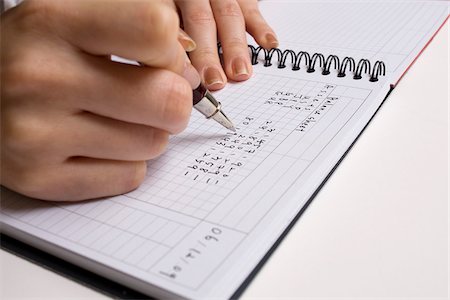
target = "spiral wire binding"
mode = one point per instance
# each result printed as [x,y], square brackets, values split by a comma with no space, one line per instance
[348,64]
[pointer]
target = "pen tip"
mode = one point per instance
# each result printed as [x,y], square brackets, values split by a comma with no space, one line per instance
[222,119]
[229,125]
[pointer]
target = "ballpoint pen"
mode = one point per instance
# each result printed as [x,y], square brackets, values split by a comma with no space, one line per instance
[203,100]
[205,103]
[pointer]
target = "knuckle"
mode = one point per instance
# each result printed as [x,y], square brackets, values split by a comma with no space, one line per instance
[136,176]
[37,12]
[25,135]
[177,105]
[18,78]
[160,141]
[235,44]
[252,13]
[158,24]
[200,16]
[33,183]
[154,142]
[28,77]
[229,9]
[205,53]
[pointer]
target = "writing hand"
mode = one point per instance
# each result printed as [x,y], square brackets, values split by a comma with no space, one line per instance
[74,124]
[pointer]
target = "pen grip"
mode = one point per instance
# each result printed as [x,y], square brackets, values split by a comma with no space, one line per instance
[198,94]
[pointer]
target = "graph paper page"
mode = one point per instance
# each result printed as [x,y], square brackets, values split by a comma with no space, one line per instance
[212,206]
[198,223]
[392,31]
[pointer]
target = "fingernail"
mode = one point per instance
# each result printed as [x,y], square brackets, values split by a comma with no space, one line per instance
[240,69]
[191,74]
[186,41]
[213,78]
[271,40]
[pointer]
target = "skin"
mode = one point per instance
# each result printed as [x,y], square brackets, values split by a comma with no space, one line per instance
[76,125]
[207,21]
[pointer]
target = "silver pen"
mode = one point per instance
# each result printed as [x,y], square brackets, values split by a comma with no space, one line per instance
[205,103]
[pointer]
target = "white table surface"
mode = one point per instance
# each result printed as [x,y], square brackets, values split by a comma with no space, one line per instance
[377,229]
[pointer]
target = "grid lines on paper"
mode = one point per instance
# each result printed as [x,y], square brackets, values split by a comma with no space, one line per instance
[128,235]
[254,198]
[168,185]
[386,31]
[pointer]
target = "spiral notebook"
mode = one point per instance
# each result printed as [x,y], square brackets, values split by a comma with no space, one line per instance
[216,202]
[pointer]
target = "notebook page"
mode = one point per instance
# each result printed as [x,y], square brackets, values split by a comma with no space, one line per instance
[215,201]
[391,31]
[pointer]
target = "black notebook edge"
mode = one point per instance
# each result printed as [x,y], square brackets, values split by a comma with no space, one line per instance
[266,257]
[69,270]
[118,291]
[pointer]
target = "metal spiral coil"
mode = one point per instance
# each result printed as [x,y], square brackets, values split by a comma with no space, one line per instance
[318,60]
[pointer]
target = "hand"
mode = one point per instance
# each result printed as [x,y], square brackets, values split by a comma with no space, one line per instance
[74,124]
[208,21]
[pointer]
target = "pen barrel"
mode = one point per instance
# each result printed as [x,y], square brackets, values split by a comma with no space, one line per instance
[208,106]
[198,94]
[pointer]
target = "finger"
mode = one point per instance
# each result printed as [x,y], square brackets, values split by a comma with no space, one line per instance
[83,178]
[231,29]
[256,25]
[144,31]
[140,95]
[89,135]
[186,41]
[198,22]
[184,67]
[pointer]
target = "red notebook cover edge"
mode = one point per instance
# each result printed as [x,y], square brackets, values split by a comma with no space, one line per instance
[421,51]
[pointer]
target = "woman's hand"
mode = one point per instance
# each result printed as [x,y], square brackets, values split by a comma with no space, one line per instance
[75,125]
[208,21]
